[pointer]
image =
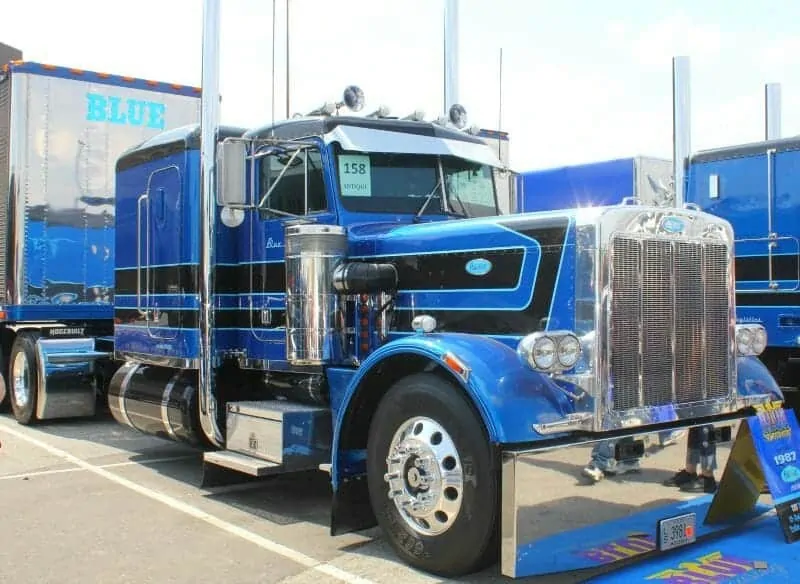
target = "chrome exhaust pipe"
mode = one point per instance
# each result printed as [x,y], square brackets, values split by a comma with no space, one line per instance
[772,111]
[209,123]
[450,54]
[681,125]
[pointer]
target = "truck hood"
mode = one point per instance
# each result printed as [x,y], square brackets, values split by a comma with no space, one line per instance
[497,275]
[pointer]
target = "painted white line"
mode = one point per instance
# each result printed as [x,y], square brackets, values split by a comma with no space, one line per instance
[40,473]
[262,542]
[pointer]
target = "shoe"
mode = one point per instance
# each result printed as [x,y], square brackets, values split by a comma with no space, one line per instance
[700,485]
[680,478]
[592,472]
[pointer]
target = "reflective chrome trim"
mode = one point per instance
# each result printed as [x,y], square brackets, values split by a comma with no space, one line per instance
[173,362]
[123,387]
[571,423]
[165,404]
[209,123]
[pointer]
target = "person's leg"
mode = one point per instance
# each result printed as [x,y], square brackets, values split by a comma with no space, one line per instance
[688,473]
[706,454]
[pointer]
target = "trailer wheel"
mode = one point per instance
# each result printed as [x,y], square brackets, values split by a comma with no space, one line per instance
[23,378]
[432,483]
[4,399]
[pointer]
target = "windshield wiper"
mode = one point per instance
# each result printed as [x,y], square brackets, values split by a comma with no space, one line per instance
[428,199]
[463,213]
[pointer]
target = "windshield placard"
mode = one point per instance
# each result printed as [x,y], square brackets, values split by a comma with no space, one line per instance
[355,175]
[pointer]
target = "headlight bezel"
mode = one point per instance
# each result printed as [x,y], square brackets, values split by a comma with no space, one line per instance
[750,339]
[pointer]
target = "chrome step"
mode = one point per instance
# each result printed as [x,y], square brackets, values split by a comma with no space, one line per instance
[242,463]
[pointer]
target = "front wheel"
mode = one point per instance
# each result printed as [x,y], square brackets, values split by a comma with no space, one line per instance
[432,481]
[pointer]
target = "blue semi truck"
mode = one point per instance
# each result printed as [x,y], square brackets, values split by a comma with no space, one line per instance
[343,293]
[756,187]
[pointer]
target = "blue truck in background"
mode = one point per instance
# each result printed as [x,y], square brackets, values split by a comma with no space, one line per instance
[607,182]
[756,187]
[61,131]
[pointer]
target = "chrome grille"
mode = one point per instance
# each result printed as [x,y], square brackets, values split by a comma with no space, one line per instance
[668,322]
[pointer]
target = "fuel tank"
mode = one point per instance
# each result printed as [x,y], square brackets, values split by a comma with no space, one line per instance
[157,401]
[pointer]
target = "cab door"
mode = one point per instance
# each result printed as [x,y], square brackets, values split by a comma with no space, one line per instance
[159,276]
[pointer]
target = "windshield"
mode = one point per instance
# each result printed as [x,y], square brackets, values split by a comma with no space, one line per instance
[400,183]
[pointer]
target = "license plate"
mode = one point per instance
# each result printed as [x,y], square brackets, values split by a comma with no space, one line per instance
[676,531]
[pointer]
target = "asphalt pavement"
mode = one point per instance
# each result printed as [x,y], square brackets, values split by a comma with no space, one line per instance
[93,501]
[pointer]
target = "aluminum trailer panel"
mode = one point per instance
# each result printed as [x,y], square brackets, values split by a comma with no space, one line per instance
[594,184]
[61,132]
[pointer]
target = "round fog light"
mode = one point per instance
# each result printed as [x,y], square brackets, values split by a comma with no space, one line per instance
[759,343]
[744,339]
[544,353]
[569,350]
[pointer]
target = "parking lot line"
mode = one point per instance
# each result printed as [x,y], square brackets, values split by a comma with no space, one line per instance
[39,473]
[262,542]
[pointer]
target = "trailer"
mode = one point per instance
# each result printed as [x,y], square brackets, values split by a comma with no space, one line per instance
[343,293]
[607,182]
[61,131]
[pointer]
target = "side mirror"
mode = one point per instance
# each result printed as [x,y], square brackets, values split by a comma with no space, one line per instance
[232,173]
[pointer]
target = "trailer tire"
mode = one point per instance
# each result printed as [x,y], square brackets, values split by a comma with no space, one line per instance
[454,532]
[23,378]
[5,400]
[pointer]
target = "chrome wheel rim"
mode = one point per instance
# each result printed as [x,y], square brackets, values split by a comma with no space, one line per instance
[425,476]
[21,378]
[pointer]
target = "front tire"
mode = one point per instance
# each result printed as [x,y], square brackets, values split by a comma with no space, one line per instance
[432,482]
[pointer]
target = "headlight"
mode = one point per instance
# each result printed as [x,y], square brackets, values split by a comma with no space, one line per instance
[751,339]
[569,350]
[550,352]
[543,354]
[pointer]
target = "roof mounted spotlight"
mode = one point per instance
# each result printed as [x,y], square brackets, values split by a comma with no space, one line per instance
[381,112]
[474,130]
[416,116]
[352,99]
[458,116]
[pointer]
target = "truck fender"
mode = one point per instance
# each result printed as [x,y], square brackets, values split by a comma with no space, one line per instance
[753,378]
[509,396]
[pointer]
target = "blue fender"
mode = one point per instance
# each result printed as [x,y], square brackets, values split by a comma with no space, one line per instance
[753,378]
[509,396]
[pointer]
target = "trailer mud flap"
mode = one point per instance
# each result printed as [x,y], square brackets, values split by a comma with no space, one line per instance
[66,371]
[601,506]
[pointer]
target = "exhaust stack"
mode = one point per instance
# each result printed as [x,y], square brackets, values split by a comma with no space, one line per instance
[450,54]
[772,111]
[209,124]
[681,125]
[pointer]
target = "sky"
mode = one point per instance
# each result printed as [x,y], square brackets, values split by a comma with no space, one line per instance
[582,81]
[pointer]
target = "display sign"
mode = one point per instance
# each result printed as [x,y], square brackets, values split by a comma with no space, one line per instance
[355,175]
[776,438]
